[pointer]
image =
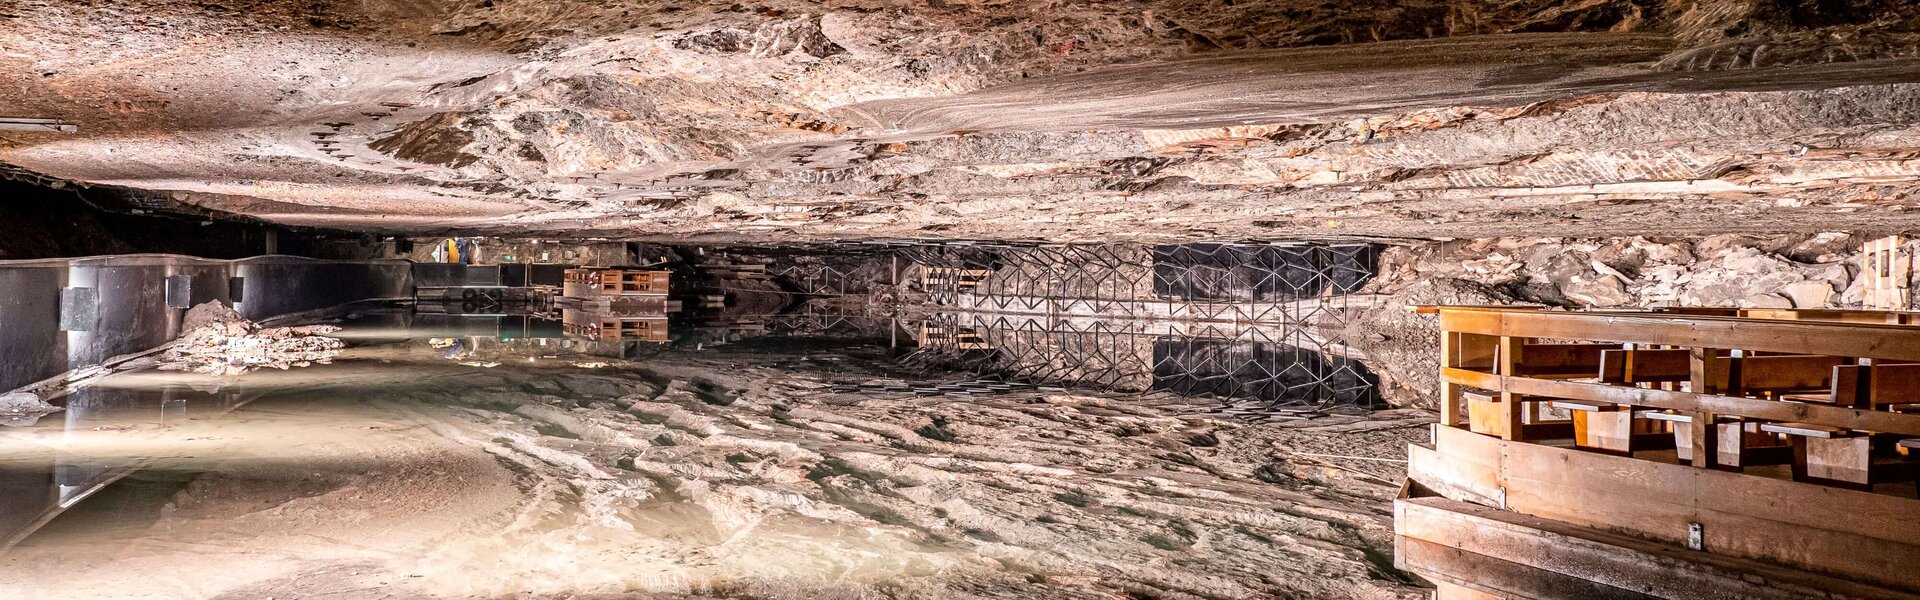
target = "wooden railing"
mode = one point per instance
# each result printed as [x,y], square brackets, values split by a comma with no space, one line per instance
[1833,393]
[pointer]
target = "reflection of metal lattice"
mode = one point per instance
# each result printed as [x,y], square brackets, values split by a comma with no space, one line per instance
[832,274]
[1234,321]
[820,319]
[1270,369]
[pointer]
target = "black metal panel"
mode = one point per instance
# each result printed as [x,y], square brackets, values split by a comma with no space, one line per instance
[513,275]
[483,275]
[437,275]
[547,274]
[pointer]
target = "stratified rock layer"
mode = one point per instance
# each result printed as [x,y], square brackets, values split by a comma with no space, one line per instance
[1060,119]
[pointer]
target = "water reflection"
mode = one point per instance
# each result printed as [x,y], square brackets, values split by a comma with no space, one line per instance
[106,432]
[67,314]
[1245,328]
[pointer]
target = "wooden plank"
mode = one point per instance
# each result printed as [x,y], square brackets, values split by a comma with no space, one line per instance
[1465,351]
[1512,354]
[1604,431]
[1530,474]
[1751,408]
[1701,380]
[1893,384]
[1787,337]
[1579,405]
[1457,573]
[1783,373]
[1610,559]
[1459,474]
[1562,360]
[1487,415]
[1849,533]
[1665,416]
[1804,429]
[1849,386]
[1643,365]
[1757,373]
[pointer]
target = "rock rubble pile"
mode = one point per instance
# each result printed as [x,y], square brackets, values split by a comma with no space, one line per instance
[218,341]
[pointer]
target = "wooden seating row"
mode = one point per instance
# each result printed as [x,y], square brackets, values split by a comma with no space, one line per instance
[1818,454]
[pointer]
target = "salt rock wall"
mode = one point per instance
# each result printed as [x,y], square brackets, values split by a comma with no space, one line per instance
[1733,270]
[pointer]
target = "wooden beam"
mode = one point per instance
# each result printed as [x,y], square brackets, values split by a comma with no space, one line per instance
[1865,536]
[1627,566]
[1787,373]
[1787,337]
[1893,384]
[1463,575]
[1752,408]
[1562,360]
[1512,354]
[1701,366]
[1463,351]
[1643,365]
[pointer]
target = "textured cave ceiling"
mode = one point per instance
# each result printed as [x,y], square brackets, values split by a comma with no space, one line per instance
[1055,119]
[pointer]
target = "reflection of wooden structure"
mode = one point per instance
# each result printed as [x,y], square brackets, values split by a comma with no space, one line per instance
[956,277]
[607,327]
[596,283]
[1757,439]
[935,335]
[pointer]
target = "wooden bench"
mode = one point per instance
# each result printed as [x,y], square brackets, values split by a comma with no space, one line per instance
[1877,385]
[1771,374]
[1839,457]
[1611,428]
[1742,443]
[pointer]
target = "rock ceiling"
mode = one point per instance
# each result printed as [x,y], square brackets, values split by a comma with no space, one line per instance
[1055,119]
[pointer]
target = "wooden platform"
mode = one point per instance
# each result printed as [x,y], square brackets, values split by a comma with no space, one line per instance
[1810,490]
[1744,521]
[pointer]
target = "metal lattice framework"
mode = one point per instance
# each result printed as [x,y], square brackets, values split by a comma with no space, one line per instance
[820,318]
[838,271]
[1226,320]
[1284,283]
